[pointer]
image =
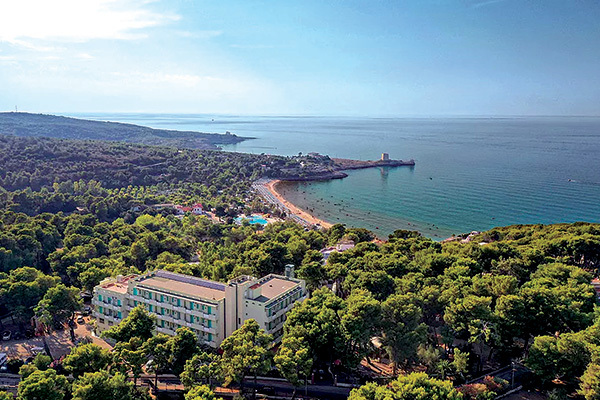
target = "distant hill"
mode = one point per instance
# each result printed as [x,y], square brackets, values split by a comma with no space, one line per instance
[36,125]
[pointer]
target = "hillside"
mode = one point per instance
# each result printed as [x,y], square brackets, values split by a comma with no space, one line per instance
[27,125]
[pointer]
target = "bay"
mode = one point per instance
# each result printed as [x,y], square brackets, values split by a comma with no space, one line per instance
[470,173]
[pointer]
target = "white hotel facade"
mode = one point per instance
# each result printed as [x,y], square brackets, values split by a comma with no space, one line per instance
[212,310]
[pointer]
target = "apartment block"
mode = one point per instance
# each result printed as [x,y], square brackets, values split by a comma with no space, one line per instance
[212,310]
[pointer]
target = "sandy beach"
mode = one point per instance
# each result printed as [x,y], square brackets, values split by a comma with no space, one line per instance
[271,186]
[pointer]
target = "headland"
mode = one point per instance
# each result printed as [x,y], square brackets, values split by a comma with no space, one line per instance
[322,168]
[59,127]
[318,167]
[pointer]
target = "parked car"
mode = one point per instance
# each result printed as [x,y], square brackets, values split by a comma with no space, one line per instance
[6,335]
[17,336]
[80,320]
[87,310]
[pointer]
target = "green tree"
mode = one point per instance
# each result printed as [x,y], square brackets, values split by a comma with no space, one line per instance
[200,393]
[245,351]
[294,361]
[139,323]
[362,321]
[473,315]
[318,321]
[61,302]
[158,350]
[27,370]
[131,357]
[6,396]
[101,385]
[460,363]
[86,358]
[42,361]
[43,385]
[203,368]
[564,357]
[184,345]
[415,386]
[402,330]
[590,383]
[313,273]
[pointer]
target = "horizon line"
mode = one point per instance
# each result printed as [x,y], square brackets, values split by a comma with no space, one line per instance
[292,115]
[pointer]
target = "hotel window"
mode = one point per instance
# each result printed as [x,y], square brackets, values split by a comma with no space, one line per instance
[119,314]
[135,291]
[100,297]
[101,310]
[209,310]
[150,307]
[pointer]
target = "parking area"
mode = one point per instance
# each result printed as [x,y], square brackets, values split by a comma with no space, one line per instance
[59,342]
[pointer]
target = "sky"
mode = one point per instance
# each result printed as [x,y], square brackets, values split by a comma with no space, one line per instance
[303,57]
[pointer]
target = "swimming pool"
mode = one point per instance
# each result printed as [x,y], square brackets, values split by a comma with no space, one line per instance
[253,219]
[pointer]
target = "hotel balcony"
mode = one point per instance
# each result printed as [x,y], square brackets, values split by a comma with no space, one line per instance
[97,303]
[284,310]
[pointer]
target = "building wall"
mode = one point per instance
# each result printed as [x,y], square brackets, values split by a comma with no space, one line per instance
[108,308]
[211,320]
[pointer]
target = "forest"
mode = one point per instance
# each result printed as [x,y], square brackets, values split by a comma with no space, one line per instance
[54,126]
[441,313]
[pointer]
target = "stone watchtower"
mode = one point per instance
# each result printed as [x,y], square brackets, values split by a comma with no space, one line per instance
[385,157]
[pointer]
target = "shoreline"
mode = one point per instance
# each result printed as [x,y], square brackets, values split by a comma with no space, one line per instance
[292,209]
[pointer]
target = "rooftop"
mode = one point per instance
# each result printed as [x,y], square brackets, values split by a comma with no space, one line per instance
[272,287]
[184,285]
[118,285]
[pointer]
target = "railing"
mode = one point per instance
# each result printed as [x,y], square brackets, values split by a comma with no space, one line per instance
[284,310]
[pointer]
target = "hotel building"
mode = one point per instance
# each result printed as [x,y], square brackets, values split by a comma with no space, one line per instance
[212,310]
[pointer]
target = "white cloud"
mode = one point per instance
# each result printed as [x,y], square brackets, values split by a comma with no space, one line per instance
[22,21]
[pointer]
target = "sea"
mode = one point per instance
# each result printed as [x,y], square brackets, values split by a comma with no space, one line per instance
[471,174]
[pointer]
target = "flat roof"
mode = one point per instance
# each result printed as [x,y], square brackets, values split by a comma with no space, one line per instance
[118,285]
[190,288]
[273,287]
[115,287]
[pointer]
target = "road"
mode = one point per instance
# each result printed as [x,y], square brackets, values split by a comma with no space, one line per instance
[279,387]
[318,391]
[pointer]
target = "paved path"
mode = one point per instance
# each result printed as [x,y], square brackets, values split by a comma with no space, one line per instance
[59,342]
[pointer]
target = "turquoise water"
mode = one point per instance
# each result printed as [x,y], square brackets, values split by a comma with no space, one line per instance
[470,173]
[253,219]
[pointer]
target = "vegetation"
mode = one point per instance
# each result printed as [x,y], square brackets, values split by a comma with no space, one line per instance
[415,386]
[75,212]
[25,124]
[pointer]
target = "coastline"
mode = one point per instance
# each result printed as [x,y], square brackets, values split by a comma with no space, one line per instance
[292,209]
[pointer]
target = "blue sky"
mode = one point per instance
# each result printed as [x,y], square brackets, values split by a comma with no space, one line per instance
[325,57]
